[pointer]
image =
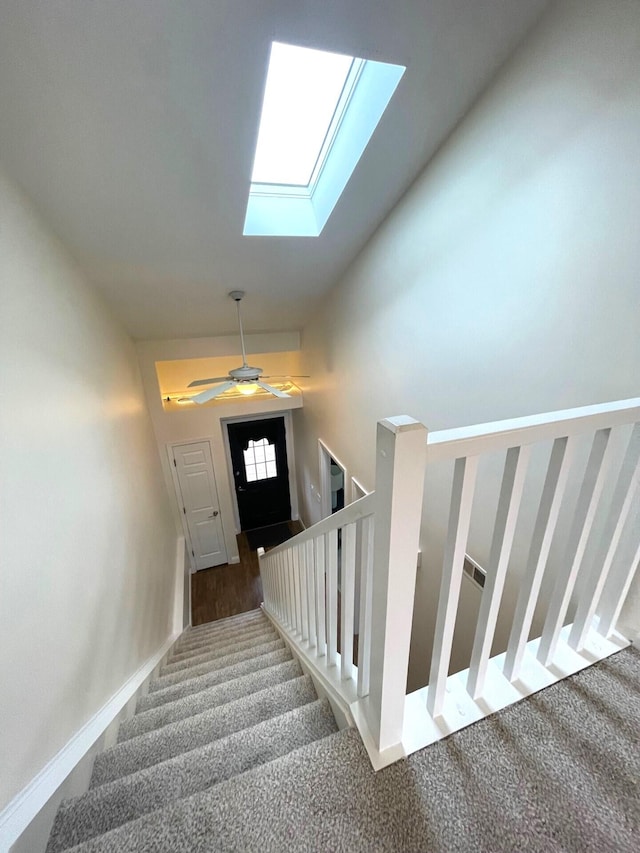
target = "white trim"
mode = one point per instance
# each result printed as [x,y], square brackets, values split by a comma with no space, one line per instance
[323,477]
[291,460]
[178,594]
[24,807]
[356,486]
[500,435]
[347,515]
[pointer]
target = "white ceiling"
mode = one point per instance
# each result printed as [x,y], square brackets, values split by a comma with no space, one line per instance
[131,125]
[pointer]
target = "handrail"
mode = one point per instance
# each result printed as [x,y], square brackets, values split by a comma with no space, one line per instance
[353,512]
[516,432]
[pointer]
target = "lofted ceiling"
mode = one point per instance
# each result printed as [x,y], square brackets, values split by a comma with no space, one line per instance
[131,126]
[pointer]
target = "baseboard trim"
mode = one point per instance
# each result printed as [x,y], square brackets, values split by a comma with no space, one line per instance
[24,807]
[178,593]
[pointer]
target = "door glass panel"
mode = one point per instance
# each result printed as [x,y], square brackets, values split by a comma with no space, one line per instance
[260,461]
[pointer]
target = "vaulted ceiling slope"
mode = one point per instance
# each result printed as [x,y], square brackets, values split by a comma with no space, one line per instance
[131,125]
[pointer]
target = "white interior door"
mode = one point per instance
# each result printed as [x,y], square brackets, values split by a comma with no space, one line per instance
[199,496]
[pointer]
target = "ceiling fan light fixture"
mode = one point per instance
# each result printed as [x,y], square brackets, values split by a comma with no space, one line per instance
[247,388]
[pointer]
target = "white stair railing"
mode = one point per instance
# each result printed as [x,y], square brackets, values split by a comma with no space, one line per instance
[454,701]
[310,581]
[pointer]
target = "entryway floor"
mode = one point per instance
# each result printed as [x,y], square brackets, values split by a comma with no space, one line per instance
[229,589]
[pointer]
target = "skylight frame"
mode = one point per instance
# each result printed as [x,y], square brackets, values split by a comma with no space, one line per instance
[299,211]
[342,104]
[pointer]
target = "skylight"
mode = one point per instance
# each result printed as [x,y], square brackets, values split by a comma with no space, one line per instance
[301,96]
[319,111]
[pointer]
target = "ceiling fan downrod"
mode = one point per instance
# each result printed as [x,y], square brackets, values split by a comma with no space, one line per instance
[237,296]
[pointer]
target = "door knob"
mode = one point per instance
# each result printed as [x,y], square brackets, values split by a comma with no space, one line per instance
[214,513]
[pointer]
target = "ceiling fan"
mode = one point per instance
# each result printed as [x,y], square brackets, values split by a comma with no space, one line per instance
[244,378]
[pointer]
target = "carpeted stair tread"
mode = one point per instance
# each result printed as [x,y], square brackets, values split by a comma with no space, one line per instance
[190,644]
[208,820]
[217,663]
[231,622]
[211,697]
[211,678]
[102,809]
[245,616]
[558,771]
[214,651]
[186,641]
[184,735]
[226,641]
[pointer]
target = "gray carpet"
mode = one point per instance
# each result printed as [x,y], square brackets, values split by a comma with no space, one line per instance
[557,772]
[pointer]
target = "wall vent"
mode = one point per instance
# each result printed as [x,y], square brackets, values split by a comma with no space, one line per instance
[474,572]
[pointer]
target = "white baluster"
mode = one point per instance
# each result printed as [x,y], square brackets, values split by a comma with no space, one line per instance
[302,556]
[347,599]
[332,595]
[515,469]
[285,590]
[622,576]
[464,478]
[619,509]
[321,646]
[283,597]
[266,580]
[545,525]
[263,576]
[295,564]
[569,568]
[278,584]
[364,636]
[291,601]
[311,591]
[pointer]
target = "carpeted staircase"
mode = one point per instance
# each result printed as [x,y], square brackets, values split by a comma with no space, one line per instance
[229,698]
[232,751]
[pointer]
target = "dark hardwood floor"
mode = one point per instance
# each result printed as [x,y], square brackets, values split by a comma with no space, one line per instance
[230,589]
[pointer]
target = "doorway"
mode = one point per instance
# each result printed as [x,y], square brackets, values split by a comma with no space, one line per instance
[258,451]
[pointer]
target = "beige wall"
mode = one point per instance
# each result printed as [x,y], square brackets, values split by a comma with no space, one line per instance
[88,545]
[506,282]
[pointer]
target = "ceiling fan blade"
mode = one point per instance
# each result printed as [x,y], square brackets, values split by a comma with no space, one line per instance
[275,391]
[287,376]
[197,382]
[205,396]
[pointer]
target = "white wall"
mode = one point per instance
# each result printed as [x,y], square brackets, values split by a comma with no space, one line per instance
[88,545]
[506,282]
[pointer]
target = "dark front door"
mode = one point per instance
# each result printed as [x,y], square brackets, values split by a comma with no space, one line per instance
[260,472]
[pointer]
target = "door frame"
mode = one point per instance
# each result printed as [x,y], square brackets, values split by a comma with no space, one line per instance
[357,490]
[325,455]
[178,491]
[291,458]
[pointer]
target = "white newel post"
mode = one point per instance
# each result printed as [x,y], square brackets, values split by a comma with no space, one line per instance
[400,470]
